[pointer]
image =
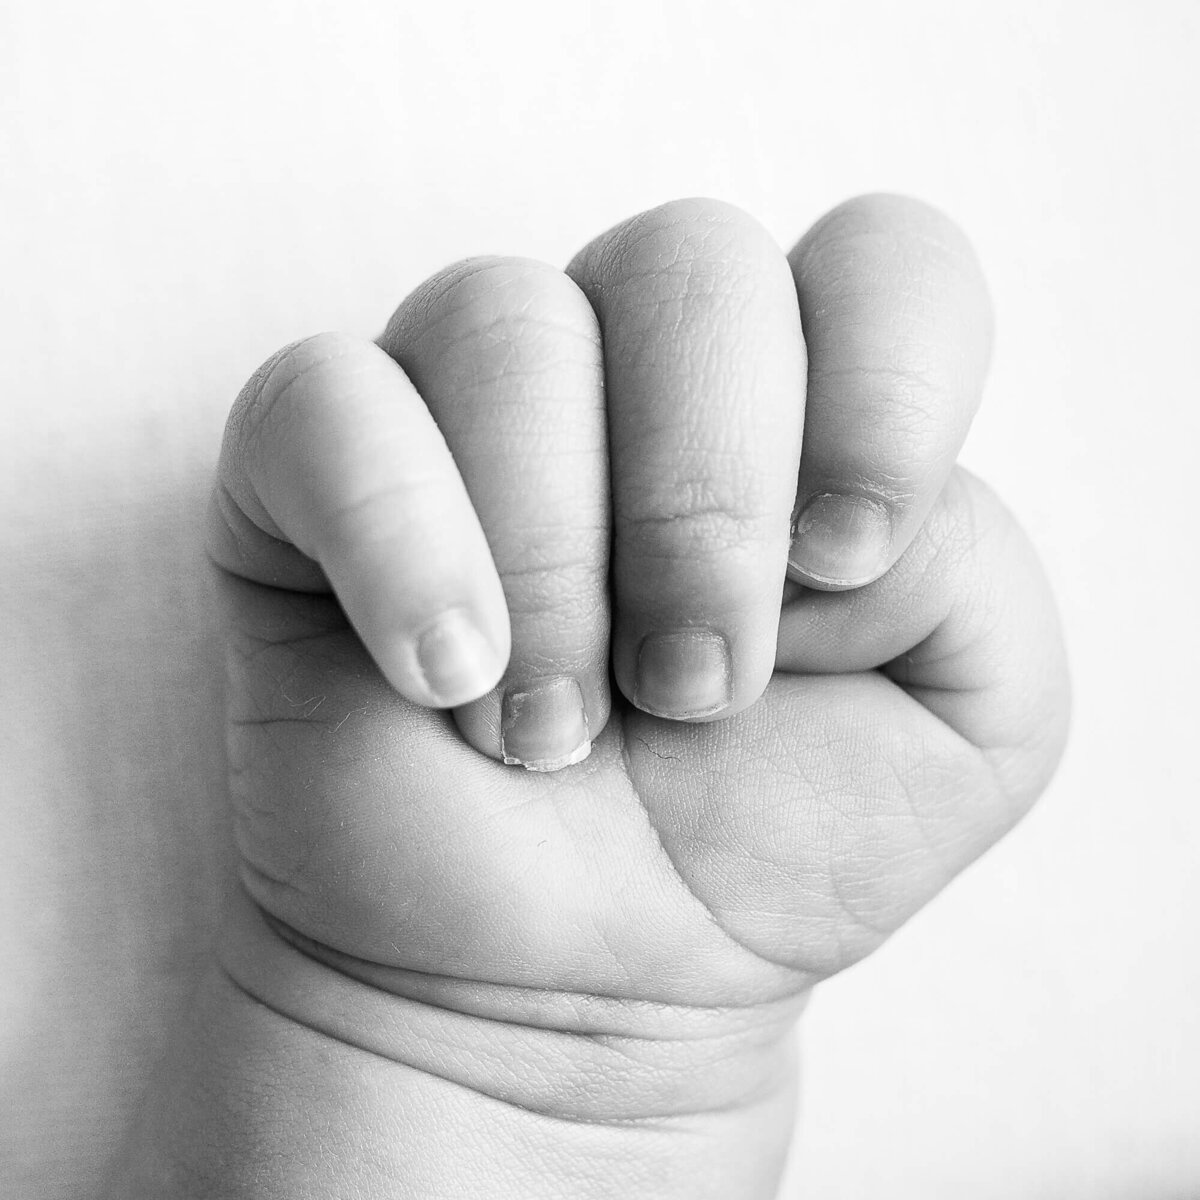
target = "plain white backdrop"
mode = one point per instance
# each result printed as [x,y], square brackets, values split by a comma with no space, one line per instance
[185,187]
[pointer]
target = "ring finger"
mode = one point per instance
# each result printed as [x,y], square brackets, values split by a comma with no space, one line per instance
[506,355]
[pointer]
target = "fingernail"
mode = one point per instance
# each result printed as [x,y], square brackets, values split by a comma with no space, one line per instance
[543,727]
[841,540]
[457,661]
[682,674]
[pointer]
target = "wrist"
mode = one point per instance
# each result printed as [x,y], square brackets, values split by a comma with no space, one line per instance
[298,1066]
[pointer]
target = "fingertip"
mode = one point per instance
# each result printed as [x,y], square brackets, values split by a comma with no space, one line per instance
[683,674]
[542,724]
[455,660]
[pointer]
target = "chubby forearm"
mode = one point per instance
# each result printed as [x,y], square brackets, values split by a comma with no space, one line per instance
[398,1099]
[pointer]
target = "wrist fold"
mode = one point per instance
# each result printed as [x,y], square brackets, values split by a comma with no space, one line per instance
[563,1055]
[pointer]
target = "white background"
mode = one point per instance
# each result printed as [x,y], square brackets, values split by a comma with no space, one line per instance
[185,187]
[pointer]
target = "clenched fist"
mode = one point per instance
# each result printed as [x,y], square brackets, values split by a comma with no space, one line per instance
[680,531]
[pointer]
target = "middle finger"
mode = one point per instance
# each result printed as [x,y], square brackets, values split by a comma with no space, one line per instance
[705,374]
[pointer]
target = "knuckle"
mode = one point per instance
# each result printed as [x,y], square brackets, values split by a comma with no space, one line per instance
[886,221]
[494,280]
[277,384]
[518,311]
[904,243]
[698,225]
[274,397]
[883,210]
[687,239]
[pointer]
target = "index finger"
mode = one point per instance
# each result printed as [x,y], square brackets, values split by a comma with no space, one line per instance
[898,325]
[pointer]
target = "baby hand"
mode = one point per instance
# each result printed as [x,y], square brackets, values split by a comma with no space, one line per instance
[815,666]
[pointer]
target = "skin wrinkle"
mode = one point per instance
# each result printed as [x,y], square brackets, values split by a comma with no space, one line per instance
[814,964]
[543,1113]
[749,1014]
[547,579]
[244,530]
[229,509]
[509,327]
[266,644]
[614,269]
[356,515]
[745,506]
[971,757]
[264,715]
[632,772]
[249,399]
[934,851]
[697,220]
[709,530]
[516,407]
[714,1048]
[974,754]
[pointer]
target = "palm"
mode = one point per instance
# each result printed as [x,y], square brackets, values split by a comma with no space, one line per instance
[702,864]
